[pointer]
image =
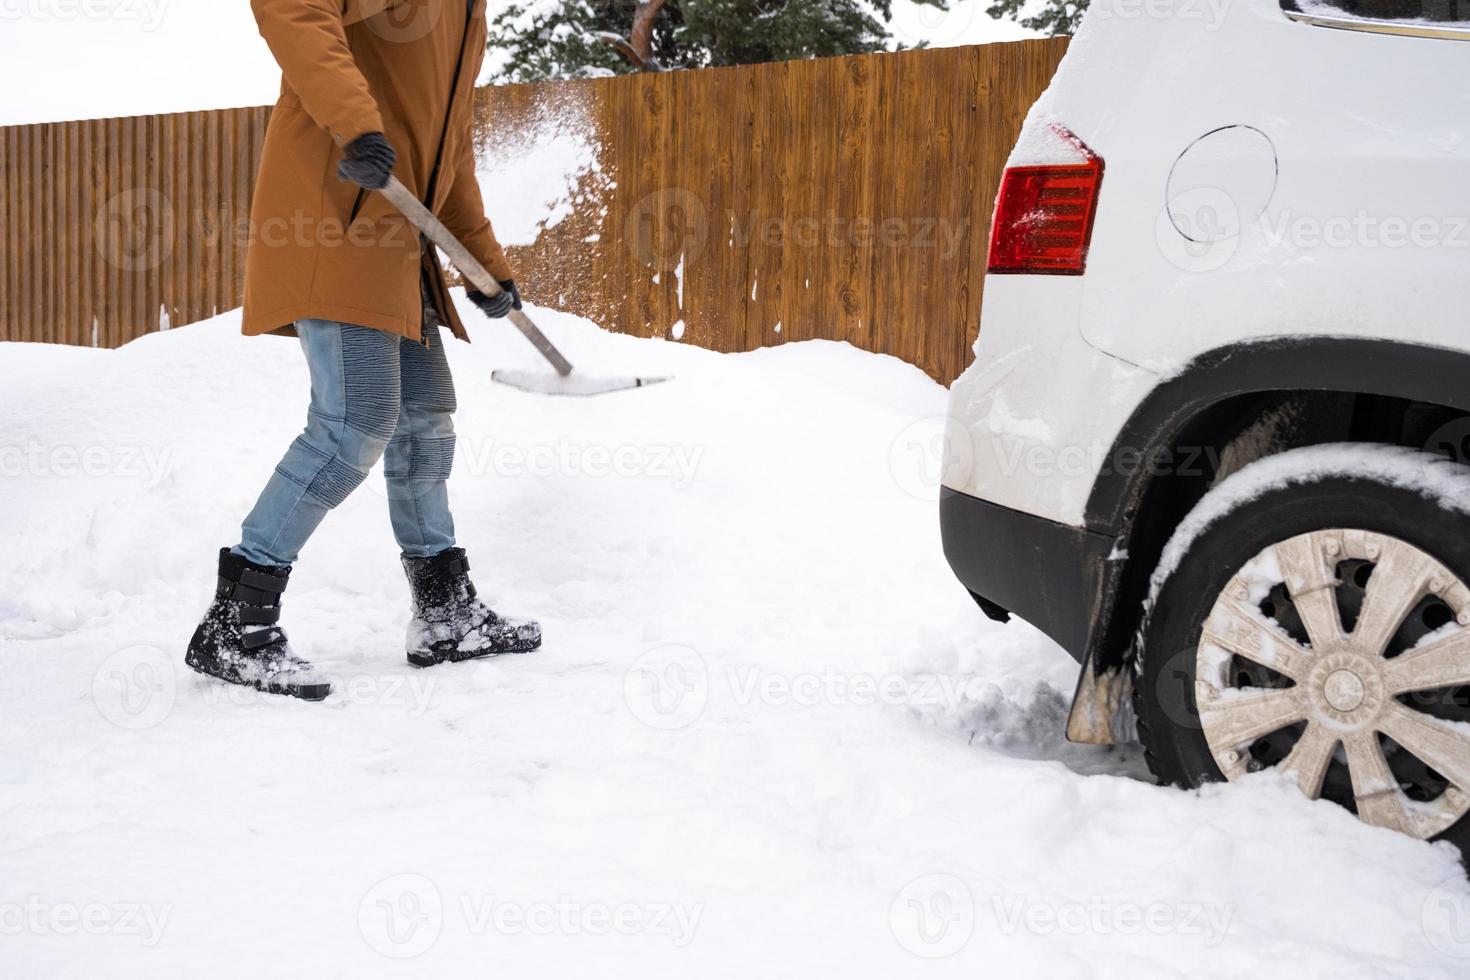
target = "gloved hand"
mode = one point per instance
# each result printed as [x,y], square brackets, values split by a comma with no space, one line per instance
[496,307]
[368,161]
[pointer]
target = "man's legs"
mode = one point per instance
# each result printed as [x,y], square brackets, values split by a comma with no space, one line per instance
[354,408]
[449,621]
[355,396]
[421,452]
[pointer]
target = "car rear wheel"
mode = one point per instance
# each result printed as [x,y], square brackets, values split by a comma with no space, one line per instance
[1317,625]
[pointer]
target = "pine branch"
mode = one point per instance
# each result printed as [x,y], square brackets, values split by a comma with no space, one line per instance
[637,47]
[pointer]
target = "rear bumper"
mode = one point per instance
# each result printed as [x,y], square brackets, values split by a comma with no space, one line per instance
[1051,575]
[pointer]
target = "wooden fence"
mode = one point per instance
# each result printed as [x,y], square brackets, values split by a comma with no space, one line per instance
[112,228]
[842,198]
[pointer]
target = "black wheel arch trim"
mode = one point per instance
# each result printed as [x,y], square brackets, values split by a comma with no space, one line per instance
[1352,365]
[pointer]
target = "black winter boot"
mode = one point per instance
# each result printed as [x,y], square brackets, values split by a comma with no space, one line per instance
[239,641]
[449,623]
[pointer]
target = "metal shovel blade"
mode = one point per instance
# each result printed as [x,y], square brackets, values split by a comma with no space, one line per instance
[566,381]
[576,383]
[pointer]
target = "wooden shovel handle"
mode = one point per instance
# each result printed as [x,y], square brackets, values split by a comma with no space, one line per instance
[424,220]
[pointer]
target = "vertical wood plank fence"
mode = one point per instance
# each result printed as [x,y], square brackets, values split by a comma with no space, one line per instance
[112,228]
[841,198]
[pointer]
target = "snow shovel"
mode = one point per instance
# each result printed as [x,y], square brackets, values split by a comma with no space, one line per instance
[566,381]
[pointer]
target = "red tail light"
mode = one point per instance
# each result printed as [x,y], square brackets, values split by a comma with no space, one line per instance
[1044,214]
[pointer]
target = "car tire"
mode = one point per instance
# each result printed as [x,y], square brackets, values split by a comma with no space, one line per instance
[1331,525]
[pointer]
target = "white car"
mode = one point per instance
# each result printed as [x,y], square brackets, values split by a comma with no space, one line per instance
[1213,440]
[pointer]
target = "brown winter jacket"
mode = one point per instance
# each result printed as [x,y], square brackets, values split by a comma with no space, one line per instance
[322,248]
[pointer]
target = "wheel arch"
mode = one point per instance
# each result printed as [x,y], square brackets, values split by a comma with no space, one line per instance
[1223,409]
[1340,365]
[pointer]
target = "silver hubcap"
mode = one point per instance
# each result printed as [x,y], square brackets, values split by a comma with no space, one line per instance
[1357,695]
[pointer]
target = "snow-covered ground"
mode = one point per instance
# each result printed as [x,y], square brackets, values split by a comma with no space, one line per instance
[768,734]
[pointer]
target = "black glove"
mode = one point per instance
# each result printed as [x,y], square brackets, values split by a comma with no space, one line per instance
[368,161]
[498,306]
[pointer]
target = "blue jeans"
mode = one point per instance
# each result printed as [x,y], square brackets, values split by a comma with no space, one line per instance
[373,395]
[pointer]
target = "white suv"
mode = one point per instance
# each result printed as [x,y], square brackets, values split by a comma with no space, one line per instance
[1212,441]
